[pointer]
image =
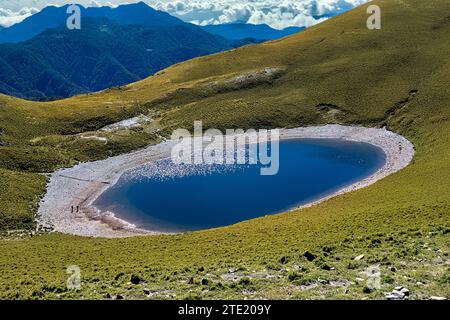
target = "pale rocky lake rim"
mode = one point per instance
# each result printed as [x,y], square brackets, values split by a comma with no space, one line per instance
[82,184]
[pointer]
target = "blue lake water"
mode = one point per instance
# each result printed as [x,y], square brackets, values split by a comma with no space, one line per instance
[166,197]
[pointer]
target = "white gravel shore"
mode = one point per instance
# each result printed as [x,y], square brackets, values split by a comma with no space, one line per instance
[82,184]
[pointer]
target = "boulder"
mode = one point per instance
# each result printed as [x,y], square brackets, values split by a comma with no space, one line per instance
[309,256]
[135,279]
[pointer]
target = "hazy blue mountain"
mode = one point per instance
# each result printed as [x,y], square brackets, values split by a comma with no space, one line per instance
[260,32]
[61,62]
[52,17]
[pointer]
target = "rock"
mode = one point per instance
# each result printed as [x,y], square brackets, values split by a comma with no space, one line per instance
[309,256]
[232,270]
[205,282]
[438,298]
[419,283]
[325,267]
[395,295]
[119,297]
[244,281]
[107,296]
[146,291]
[360,257]
[323,281]
[398,288]
[367,290]
[135,279]
[405,291]
[359,279]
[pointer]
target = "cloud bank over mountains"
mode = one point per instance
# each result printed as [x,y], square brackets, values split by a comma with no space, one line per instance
[278,14]
[9,17]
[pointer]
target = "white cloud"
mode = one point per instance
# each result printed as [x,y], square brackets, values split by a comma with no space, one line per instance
[9,17]
[278,14]
[95,4]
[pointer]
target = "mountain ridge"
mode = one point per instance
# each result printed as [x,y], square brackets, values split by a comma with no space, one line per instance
[61,62]
[52,17]
[260,32]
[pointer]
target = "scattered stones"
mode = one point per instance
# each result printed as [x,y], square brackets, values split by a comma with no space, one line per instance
[307,286]
[340,283]
[395,295]
[360,257]
[405,291]
[127,123]
[438,298]
[399,293]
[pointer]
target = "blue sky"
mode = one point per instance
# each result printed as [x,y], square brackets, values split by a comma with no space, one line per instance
[276,13]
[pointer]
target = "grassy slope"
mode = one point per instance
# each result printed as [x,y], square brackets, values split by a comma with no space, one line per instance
[401,223]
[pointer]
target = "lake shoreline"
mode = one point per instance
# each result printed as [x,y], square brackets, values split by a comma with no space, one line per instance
[78,187]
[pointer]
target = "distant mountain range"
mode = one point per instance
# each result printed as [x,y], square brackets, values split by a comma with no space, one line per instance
[52,17]
[261,32]
[61,63]
[41,59]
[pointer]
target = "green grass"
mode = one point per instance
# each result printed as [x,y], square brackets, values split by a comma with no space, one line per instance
[401,223]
